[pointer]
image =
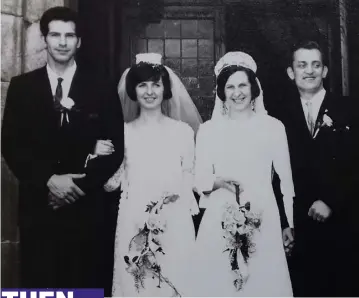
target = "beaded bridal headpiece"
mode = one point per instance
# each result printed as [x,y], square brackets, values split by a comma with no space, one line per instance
[151,58]
[237,59]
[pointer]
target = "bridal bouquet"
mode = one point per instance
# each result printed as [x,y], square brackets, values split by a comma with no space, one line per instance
[239,224]
[141,258]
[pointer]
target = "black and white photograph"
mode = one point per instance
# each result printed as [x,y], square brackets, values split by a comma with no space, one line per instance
[180,148]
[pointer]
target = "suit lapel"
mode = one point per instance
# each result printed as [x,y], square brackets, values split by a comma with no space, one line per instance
[321,112]
[45,87]
[46,99]
[299,117]
[78,89]
[79,93]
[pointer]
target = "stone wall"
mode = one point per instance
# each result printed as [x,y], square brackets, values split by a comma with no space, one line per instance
[22,50]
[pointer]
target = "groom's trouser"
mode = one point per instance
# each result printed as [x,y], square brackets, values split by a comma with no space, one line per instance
[111,213]
[320,256]
[61,249]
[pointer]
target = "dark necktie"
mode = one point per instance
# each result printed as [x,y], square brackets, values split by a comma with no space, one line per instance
[58,98]
[58,92]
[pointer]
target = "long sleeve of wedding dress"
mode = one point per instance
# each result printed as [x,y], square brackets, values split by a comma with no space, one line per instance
[204,169]
[281,162]
[188,162]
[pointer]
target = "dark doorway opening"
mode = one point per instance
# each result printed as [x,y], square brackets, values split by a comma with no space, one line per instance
[267,32]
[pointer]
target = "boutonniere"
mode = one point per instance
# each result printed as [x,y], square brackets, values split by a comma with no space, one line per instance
[66,105]
[326,121]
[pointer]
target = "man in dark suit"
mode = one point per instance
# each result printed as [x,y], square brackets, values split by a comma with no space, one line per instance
[319,131]
[53,118]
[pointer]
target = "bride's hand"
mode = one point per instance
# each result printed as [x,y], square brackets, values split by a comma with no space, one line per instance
[104,147]
[228,184]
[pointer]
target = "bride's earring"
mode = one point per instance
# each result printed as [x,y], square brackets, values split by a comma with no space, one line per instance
[253,105]
[224,108]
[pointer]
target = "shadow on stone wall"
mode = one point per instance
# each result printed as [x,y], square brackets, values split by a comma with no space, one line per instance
[9,232]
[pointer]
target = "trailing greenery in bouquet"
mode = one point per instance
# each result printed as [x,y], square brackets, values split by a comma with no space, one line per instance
[239,224]
[141,259]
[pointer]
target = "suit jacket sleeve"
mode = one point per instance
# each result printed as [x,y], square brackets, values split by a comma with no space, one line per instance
[26,162]
[341,178]
[101,168]
[274,111]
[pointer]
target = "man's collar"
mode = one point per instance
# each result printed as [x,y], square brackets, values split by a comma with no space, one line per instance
[319,96]
[69,72]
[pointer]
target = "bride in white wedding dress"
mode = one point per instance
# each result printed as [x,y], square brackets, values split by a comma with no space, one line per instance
[239,247]
[155,232]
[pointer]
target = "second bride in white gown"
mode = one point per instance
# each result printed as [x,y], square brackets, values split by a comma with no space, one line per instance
[155,231]
[239,246]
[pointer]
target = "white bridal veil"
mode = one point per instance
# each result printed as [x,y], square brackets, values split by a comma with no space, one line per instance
[181,106]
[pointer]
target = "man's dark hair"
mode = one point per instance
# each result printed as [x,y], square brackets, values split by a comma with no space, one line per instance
[143,72]
[59,13]
[308,45]
[227,72]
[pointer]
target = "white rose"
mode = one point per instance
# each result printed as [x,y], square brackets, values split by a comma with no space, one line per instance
[327,120]
[67,103]
[239,217]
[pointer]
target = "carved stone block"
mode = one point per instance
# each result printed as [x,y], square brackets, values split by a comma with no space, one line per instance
[35,53]
[35,8]
[11,31]
[13,7]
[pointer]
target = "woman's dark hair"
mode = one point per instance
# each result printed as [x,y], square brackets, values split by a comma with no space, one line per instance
[143,72]
[59,13]
[227,72]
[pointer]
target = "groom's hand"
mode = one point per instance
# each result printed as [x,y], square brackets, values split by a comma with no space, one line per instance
[55,202]
[319,211]
[63,189]
[288,240]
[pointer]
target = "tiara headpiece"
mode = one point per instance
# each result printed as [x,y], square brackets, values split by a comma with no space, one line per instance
[151,58]
[235,58]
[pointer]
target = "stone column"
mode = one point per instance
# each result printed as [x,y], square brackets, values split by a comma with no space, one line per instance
[22,51]
[12,27]
[343,16]
[339,52]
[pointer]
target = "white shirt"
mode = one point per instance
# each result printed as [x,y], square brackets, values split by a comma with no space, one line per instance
[67,77]
[316,101]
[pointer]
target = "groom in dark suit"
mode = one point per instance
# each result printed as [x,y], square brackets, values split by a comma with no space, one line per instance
[53,117]
[319,131]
